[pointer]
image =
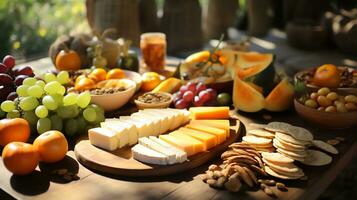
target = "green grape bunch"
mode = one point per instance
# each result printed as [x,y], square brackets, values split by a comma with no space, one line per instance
[46,105]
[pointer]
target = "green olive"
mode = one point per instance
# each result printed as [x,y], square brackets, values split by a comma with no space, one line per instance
[224,99]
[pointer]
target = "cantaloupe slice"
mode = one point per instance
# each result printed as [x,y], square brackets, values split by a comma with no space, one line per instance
[252,63]
[246,98]
[281,97]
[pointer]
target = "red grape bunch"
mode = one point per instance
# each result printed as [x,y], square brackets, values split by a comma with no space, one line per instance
[194,94]
[11,77]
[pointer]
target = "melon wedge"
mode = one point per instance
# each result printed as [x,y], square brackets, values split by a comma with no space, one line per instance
[252,63]
[246,98]
[281,97]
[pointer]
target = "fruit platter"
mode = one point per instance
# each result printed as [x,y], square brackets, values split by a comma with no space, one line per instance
[124,122]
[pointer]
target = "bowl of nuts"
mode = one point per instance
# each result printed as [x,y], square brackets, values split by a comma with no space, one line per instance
[327,108]
[113,94]
[154,100]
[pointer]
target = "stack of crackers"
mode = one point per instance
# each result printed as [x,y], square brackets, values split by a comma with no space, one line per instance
[292,143]
[260,139]
[280,166]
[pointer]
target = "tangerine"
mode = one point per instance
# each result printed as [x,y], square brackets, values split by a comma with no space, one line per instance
[115,74]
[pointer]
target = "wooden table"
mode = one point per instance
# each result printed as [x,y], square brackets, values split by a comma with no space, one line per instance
[92,185]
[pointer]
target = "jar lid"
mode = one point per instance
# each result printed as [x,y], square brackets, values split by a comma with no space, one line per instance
[153,35]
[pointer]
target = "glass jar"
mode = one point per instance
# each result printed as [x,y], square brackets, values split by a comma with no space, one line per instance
[153,49]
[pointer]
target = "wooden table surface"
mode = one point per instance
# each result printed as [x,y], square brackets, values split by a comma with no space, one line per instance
[94,185]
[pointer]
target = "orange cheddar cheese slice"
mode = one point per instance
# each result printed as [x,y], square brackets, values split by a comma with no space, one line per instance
[179,143]
[209,139]
[222,124]
[220,133]
[198,145]
[209,112]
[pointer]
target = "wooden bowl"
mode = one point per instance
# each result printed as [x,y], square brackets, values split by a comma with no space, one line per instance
[314,88]
[326,119]
[141,105]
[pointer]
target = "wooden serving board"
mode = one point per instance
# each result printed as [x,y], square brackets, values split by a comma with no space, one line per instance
[121,162]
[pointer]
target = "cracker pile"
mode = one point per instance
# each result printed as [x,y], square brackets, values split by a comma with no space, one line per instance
[281,166]
[271,150]
[241,163]
[260,139]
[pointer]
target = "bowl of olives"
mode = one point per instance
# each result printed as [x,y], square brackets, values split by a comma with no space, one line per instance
[327,108]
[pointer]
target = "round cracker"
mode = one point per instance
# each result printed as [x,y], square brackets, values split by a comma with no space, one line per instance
[292,157]
[277,158]
[300,133]
[290,139]
[317,158]
[261,133]
[324,146]
[256,140]
[271,172]
[283,168]
[301,154]
[278,127]
[290,145]
[279,146]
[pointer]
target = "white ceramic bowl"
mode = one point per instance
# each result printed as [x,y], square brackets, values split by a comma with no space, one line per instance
[134,76]
[110,102]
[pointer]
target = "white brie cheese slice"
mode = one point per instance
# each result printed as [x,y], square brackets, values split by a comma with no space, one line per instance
[146,155]
[133,132]
[171,156]
[122,132]
[103,138]
[181,156]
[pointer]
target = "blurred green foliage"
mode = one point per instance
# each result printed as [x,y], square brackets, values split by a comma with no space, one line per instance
[28,27]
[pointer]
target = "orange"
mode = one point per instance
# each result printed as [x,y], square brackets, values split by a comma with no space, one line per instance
[79,78]
[327,76]
[52,146]
[149,81]
[14,130]
[20,158]
[68,60]
[98,75]
[115,74]
[84,84]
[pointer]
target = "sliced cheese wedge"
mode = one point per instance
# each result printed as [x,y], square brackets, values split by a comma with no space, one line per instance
[147,155]
[179,143]
[152,121]
[220,133]
[132,131]
[210,112]
[181,156]
[209,139]
[198,145]
[121,132]
[220,123]
[171,156]
[141,127]
[163,119]
[167,114]
[103,138]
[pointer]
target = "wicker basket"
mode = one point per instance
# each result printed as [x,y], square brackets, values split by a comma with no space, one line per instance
[122,15]
[181,23]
